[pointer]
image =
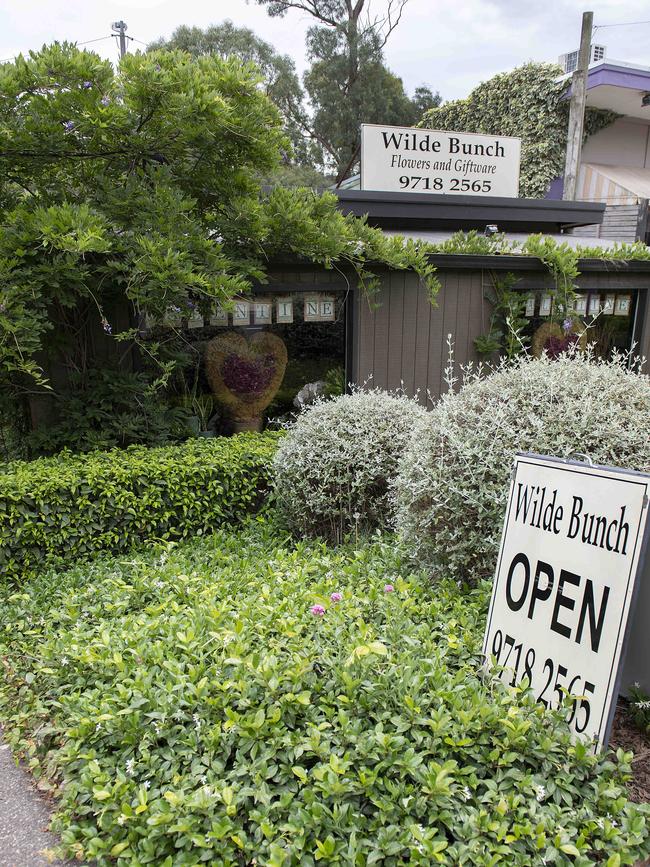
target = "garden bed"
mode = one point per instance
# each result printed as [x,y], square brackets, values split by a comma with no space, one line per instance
[212,701]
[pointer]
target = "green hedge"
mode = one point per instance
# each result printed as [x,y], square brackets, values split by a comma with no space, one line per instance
[56,510]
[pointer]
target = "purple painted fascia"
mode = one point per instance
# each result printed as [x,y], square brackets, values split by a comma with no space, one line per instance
[556,189]
[616,76]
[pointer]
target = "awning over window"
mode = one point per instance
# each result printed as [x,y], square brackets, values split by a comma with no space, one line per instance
[615,185]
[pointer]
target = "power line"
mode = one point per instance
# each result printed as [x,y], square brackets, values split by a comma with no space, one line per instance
[622,24]
[86,42]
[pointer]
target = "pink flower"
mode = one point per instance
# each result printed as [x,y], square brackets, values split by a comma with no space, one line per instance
[317,610]
[388,588]
[336,597]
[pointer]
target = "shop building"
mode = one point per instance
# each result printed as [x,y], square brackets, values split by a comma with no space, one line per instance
[398,338]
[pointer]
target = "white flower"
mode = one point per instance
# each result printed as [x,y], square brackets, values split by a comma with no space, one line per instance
[64,660]
[540,793]
[203,779]
[147,784]
[130,766]
[197,721]
[98,727]
[466,793]
[156,727]
[121,820]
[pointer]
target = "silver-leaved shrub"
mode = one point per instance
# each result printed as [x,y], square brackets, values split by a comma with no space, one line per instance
[453,481]
[334,468]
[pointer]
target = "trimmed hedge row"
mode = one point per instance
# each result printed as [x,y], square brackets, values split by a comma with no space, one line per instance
[54,511]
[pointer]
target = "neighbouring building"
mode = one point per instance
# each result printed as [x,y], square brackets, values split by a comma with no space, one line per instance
[615,164]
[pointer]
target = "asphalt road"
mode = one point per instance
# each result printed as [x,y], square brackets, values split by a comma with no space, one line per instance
[24,817]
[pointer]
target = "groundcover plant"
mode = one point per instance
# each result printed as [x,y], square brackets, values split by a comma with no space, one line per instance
[241,699]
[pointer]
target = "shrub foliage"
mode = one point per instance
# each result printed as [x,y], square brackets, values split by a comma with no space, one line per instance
[56,510]
[192,709]
[333,469]
[453,482]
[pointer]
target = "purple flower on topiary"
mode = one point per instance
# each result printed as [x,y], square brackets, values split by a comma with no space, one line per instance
[567,325]
[87,85]
[106,325]
[556,346]
[317,610]
[336,597]
[247,376]
[388,588]
[68,125]
[105,100]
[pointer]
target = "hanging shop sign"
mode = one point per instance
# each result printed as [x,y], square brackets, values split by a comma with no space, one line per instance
[530,305]
[195,319]
[326,309]
[311,310]
[284,310]
[241,313]
[572,550]
[408,159]
[546,304]
[623,303]
[262,312]
[594,305]
[581,304]
[219,315]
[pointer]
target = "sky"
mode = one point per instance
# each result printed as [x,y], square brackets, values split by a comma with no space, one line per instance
[451,46]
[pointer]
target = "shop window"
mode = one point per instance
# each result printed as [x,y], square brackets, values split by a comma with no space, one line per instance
[605,321]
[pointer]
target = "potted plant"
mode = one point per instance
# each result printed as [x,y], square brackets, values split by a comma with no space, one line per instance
[203,408]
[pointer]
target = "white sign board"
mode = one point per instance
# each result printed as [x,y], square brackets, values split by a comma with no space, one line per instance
[406,159]
[572,545]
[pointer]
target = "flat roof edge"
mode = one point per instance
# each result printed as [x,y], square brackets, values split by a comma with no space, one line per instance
[458,211]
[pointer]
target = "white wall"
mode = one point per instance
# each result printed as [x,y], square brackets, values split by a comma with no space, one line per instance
[625,143]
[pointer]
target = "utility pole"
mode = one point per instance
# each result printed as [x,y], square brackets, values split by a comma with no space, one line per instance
[577,109]
[119,28]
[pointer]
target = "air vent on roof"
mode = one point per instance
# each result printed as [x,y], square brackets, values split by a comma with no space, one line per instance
[569,62]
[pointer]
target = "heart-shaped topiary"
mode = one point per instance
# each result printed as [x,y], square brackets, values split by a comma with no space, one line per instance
[245,375]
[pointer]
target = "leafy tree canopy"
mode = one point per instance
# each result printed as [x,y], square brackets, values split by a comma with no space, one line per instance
[142,184]
[279,79]
[348,82]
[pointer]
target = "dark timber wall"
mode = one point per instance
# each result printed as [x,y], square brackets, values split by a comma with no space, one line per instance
[400,339]
[403,340]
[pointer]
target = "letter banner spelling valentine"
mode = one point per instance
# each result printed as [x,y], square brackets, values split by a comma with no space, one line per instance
[572,551]
[414,160]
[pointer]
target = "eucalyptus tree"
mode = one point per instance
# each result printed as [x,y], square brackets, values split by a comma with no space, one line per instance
[348,82]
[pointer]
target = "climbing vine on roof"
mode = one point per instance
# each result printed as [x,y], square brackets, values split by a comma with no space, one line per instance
[527,103]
